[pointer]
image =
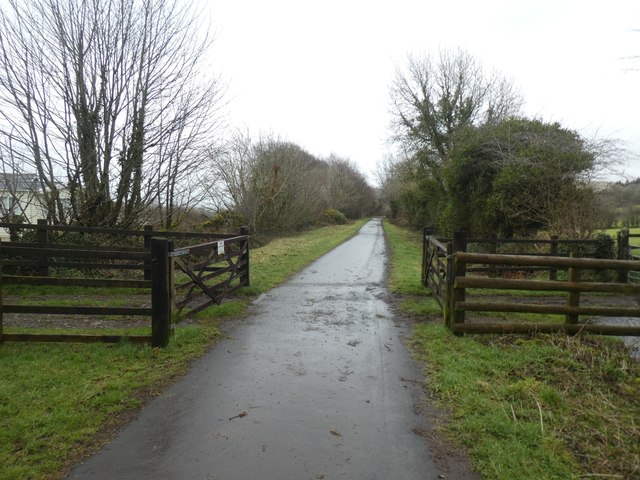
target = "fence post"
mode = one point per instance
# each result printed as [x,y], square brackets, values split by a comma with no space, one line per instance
[449,279]
[493,249]
[161,292]
[573,298]
[553,252]
[42,238]
[148,233]
[425,254]
[13,234]
[623,254]
[459,270]
[172,289]
[1,304]
[245,257]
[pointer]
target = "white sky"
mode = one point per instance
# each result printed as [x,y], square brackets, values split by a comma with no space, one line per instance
[317,73]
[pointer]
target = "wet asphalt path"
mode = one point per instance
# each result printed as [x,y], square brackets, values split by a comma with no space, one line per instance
[315,384]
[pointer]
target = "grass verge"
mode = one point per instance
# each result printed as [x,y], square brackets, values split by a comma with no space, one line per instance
[528,407]
[55,398]
[60,401]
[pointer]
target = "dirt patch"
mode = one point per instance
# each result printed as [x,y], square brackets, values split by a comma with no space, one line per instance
[77,322]
[450,458]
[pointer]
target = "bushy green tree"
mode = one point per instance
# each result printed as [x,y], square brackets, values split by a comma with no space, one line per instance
[519,176]
[470,161]
[434,99]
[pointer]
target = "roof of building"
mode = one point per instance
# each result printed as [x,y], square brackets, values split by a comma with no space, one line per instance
[18,182]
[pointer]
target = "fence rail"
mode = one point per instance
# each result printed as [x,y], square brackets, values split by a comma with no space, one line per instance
[211,271]
[434,268]
[147,232]
[450,282]
[223,261]
[39,273]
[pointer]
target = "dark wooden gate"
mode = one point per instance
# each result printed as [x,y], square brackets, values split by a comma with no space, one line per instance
[207,273]
[182,281]
[434,266]
[58,266]
[446,272]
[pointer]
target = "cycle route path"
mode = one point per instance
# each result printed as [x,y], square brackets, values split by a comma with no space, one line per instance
[315,383]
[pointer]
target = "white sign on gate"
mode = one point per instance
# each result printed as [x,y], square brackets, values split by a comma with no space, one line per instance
[221,247]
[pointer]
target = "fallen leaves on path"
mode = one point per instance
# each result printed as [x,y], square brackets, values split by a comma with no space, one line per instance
[240,415]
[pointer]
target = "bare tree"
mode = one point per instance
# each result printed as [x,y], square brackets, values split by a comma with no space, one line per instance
[109,95]
[276,185]
[393,176]
[229,171]
[284,190]
[347,189]
[273,184]
[434,97]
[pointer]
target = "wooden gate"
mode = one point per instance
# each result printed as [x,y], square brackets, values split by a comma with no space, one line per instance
[33,264]
[182,281]
[434,266]
[204,274]
[446,272]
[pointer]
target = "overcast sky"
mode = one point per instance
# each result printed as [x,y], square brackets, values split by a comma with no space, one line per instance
[317,73]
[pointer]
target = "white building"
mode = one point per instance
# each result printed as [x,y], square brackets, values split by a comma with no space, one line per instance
[20,195]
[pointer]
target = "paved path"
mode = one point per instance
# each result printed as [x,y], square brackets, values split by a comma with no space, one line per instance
[315,384]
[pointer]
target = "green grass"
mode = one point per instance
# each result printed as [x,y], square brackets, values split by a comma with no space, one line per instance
[405,276]
[406,249]
[530,407]
[56,398]
[635,241]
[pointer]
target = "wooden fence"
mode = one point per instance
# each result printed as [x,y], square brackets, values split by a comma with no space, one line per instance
[150,267]
[628,251]
[210,272]
[447,272]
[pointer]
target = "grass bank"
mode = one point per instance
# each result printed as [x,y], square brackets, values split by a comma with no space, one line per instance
[526,407]
[613,232]
[60,401]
